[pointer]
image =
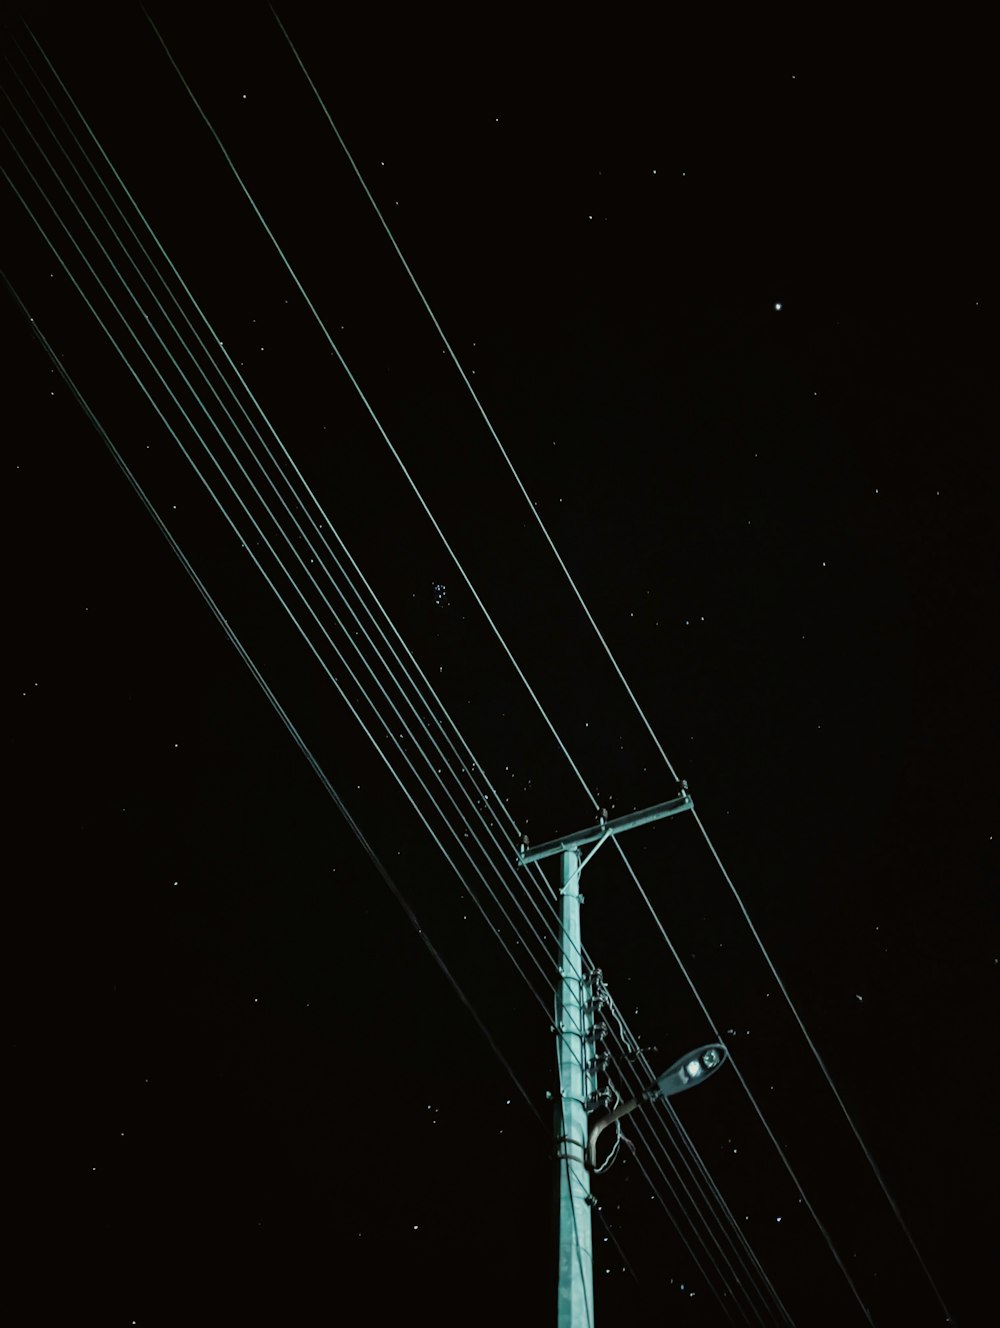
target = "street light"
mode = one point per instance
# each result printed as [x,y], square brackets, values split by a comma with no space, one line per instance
[574,1029]
[694,1068]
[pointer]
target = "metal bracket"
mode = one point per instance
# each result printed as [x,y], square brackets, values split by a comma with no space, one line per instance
[596,834]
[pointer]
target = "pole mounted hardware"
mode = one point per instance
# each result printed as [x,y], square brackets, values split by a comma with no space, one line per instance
[692,1069]
[596,834]
[579,1035]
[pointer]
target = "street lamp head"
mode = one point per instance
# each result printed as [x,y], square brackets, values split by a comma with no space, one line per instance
[691,1069]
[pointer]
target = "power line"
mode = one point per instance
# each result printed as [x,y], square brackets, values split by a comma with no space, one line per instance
[367,404]
[641,713]
[546,976]
[275,703]
[655,1193]
[267,578]
[173,327]
[727,1219]
[479,404]
[187,418]
[437,527]
[542,968]
[826,1073]
[275,462]
[295,734]
[746,1088]
[176,333]
[722,1213]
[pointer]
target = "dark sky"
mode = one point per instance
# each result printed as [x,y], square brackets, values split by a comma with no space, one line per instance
[725,311]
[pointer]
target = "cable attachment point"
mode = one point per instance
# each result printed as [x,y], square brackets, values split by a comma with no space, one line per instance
[604,1098]
[633,1056]
[600,1062]
[599,995]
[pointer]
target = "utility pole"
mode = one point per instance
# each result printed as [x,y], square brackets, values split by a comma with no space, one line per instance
[577,1059]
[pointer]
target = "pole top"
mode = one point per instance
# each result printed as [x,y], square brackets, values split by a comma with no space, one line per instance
[605,829]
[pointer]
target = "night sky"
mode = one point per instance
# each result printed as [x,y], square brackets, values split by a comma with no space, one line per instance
[725,310]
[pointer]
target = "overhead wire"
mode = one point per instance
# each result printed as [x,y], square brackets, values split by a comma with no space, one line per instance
[716,1210]
[612,659]
[256,673]
[726,1275]
[709,1282]
[223,440]
[720,1214]
[175,332]
[174,329]
[543,969]
[396,455]
[330,340]
[278,468]
[747,1090]
[217,342]
[307,570]
[293,731]
[217,345]
[715,1202]
[158,302]
[827,1075]
[367,404]
[658,1126]
[465,379]
[269,580]
[272,699]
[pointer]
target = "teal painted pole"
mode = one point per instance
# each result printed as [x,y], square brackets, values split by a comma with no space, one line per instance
[576,1057]
[576,1257]
[596,834]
